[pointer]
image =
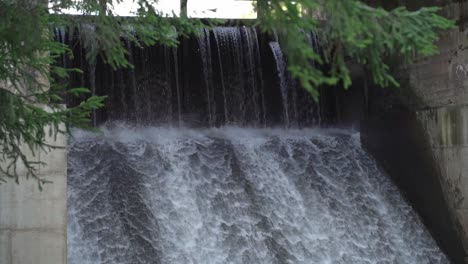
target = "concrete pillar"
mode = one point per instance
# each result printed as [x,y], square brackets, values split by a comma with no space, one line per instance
[33,224]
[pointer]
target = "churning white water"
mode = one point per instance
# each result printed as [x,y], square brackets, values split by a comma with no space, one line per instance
[234,195]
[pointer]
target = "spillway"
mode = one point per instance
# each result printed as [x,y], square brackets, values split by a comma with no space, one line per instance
[236,195]
[207,156]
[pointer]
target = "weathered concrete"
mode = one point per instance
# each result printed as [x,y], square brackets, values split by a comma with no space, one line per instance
[33,224]
[446,128]
[5,244]
[38,247]
[391,132]
[420,134]
[440,84]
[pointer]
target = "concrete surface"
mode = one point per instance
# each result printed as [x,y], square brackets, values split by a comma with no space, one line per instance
[33,224]
[440,84]
[419,134]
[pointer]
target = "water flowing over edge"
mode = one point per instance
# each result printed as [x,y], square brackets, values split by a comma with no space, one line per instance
[223,76]
[236,195]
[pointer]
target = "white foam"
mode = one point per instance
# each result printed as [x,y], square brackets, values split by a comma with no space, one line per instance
[236,195]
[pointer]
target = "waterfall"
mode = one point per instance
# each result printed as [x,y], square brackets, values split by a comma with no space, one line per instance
[136,114]
[92,85]
[205,53]
[168,77]
[223,76]
[236,195]
[281,70]
[250,65]
[196,177]
[179,96]
[261,84]
[232,56]
[236,52]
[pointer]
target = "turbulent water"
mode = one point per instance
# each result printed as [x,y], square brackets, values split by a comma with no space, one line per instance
[232,195]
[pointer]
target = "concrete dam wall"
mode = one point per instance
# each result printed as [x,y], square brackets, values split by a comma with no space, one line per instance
[419,134]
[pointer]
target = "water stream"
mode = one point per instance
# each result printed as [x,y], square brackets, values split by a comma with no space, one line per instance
[236,195]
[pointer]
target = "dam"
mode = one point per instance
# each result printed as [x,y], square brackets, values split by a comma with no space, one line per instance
[211,153]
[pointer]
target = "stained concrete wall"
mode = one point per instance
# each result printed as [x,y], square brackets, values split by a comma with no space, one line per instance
[447,129]
[419,134]
[33,224]
[392,132]
[440,84]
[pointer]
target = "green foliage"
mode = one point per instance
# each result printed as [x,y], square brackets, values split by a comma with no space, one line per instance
[353,30]
[32,86]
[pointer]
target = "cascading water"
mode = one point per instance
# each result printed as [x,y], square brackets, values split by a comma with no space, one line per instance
[205,51]
[236,195]
[281,68]
[170,191]
[223,76]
